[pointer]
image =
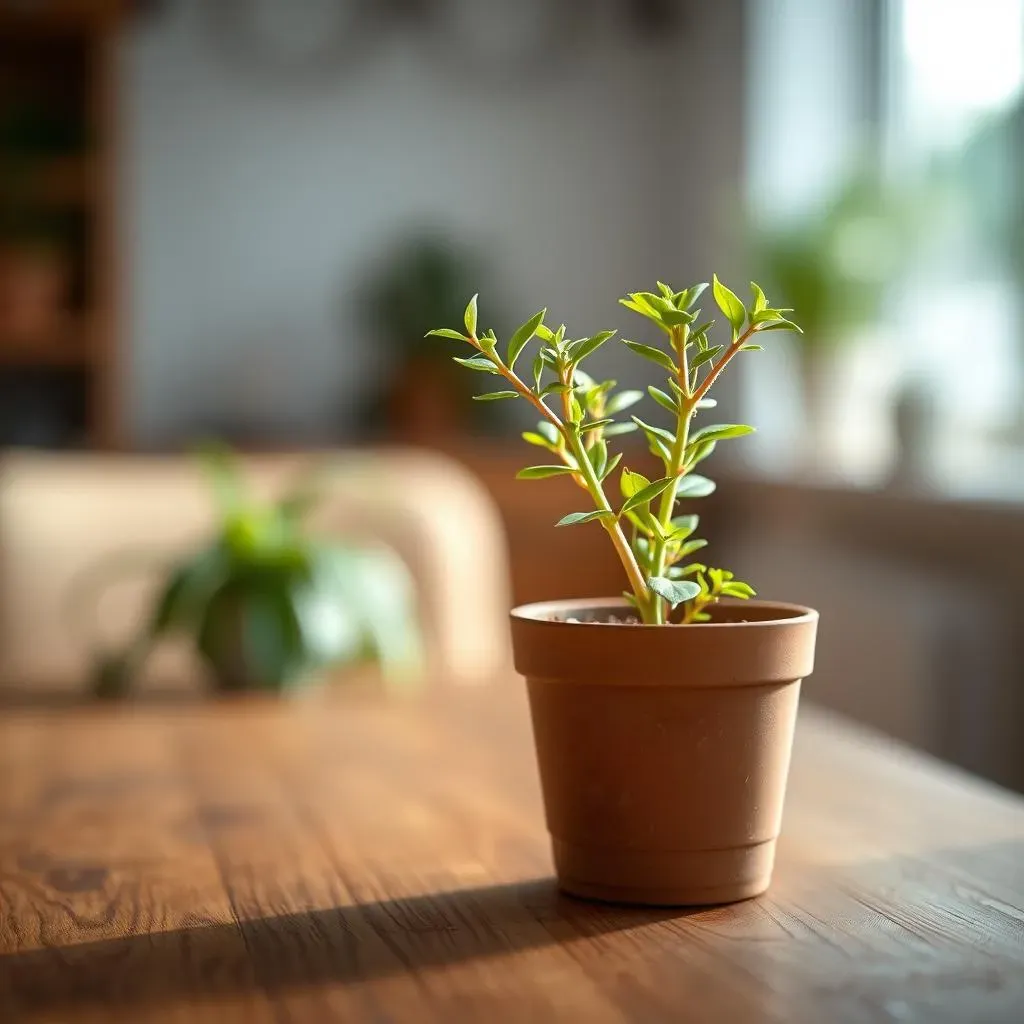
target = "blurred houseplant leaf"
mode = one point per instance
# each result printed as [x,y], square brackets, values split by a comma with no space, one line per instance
[267,604]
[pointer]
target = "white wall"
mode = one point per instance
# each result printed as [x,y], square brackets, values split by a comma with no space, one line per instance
[250,206]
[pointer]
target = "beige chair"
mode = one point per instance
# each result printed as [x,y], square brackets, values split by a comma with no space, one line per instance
[61,515]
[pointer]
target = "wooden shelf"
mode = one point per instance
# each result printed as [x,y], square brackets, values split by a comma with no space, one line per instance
[67,344]
[58,15]
[57,181]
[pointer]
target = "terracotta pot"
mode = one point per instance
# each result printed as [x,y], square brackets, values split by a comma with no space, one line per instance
[664,750]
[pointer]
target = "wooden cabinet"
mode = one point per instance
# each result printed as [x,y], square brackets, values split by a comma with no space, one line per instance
[58,275]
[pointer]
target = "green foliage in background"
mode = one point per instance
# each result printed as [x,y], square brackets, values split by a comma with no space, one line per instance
[424,281]
[835,263]
[267,604]
[657,557]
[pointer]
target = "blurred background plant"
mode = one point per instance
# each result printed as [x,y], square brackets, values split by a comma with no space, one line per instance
[838,263]
[422,281]
[269,605]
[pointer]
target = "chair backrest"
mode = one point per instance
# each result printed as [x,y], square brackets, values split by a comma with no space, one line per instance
[66,519]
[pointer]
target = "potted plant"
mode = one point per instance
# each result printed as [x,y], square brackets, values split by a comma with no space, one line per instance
[267,603]
[836,265]
[421,282]
[663,720]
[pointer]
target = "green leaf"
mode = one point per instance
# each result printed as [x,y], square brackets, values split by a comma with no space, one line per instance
[631,483]
[673,591]
[688,570]
[781,325]
[692,545]
[719,432]
[545,333]
[677,572]
[543,472]
[760,301]
[666,292]
[655,355]
[686,298]
[676,317]
[699,452]
[695,486]
[598,456]
[494,396]
[647,494]
[687,522]
[609,469]
[660,449]
[575,518]
[575,410]
[665,401]
[555,388]
[550,357]
[531,438]
[704,356]
[736,588]
[578,350]
[707,403]
[470,317]
[595,424]
[522,335]
[489,341]
[538,371]
[623,400]
[619,428]
[637,305]
[751,348]
[582,381]
[548,431]
[729,304]
[445,332]
[660,432]
[481,363]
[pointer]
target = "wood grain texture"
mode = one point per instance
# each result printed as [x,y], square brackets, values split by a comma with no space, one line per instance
[345,858]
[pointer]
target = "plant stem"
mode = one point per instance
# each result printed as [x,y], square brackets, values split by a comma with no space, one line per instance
[718,367]
[590,482]
[637,583]
[675,467]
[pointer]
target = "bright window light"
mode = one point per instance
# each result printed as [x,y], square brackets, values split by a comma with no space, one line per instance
[965,58]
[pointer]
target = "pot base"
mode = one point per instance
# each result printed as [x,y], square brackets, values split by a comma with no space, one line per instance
[672,879]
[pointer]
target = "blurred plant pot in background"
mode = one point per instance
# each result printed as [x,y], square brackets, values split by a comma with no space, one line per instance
[663,750]
[34,286]
[425,403]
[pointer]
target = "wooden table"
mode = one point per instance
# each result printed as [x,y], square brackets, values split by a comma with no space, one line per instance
[340,858]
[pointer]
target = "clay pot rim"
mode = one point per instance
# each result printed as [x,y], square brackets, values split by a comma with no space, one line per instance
[538,613]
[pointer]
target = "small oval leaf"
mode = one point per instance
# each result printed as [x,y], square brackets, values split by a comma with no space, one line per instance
[673,591]
[446,332]
[695,486]
[575,518]
[522,335]
[655,355]
[623,400]
[471,317]
[494,396]
[542,472]
[481,363]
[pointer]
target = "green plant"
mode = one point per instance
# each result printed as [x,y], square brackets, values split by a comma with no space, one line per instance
[422,281]
[655,558]
[266,603]
[836,262]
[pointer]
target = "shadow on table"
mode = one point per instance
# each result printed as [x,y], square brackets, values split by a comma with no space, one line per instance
[340,945]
